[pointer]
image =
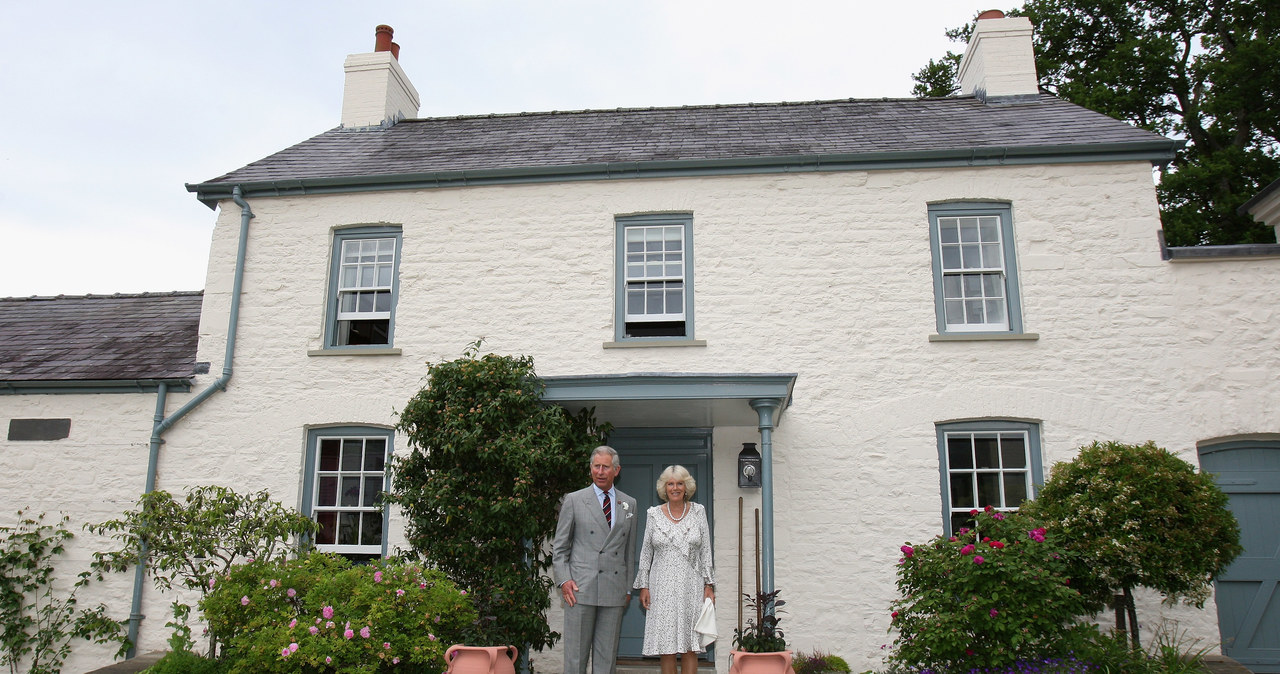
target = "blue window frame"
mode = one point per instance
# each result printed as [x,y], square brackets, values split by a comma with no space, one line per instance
[993,463]
[363,287]
[654,291]
[975,278]
[345,475]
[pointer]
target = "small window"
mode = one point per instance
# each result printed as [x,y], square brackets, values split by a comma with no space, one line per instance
[362,289]
[346,476]
[975,281]
[655,277]
[987,463]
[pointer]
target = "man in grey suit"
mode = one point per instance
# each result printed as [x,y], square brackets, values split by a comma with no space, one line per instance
[593,556]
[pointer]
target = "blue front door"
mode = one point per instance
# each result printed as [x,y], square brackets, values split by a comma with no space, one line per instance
[645,453]
[1248,599]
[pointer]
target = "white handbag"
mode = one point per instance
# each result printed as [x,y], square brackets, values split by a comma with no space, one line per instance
[705,626]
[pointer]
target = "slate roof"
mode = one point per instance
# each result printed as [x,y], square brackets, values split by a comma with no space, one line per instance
[726,133]
[99,337]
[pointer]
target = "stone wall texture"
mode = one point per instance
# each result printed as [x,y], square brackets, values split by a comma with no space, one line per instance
[826,275]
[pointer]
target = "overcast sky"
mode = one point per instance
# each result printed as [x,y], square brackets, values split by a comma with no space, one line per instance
[108,108]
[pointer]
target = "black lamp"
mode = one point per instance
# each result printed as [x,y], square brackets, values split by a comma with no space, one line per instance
[749,466]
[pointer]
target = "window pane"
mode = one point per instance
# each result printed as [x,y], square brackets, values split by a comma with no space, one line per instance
[350,492]
[328,528]
[366,276]
[951,257]
[635,301]
[973,311]
[349,528]
[959,452]
[962,490]
[371,533]
[351,454]
[653,302]
[375,454]
[1013,451]
[968,229]
[382,301]
[372,490]
[673,269]
[384,275]
[327,492]
[991,257]
[985,449]
[961,521]
[675,301]
[988,489]
[951,286]
[948,230]
[972,285]
[347,303]
[329,450]
[364,302]
[972,255]
[995,311]
[954,312]
[349,277]
[989,228]
[991,286]
[1015,488]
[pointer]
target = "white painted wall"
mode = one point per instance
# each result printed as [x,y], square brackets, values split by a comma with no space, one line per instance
[824,275]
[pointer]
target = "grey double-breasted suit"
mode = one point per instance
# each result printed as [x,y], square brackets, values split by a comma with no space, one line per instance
[601,561]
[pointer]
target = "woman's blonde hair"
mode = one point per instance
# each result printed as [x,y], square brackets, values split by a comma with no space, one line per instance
[679,473]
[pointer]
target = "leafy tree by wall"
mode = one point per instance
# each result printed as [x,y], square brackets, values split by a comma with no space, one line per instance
[1207,72]
[479,489]
[1136,515]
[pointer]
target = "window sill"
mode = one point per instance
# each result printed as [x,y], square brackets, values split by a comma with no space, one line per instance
[650,343]
[985,337]
[355,351]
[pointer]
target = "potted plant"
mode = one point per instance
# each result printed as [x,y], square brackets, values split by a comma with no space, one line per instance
[760,647]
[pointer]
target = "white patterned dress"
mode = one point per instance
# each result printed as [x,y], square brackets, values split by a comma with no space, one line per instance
[675,563]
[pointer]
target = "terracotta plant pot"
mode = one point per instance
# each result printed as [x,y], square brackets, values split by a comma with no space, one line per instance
[483,659]
[761,663]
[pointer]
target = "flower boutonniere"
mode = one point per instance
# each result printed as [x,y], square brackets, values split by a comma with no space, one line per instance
[626,509]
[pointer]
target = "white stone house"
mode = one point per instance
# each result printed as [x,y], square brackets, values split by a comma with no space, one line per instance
[910,307]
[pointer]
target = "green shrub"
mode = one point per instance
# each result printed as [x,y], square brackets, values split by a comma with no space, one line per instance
[988,597]
[818,662]
[186,662]
[320,613]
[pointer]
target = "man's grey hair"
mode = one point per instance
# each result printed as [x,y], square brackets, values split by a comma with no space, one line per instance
[605,449]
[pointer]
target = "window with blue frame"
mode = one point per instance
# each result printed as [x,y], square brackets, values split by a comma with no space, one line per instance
[974,268]
[987,463]
[654,277]
[363,286]
[344,480]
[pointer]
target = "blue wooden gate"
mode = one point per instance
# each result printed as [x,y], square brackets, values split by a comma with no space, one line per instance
[1248,600]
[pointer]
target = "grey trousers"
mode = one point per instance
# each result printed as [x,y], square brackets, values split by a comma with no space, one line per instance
[594,631]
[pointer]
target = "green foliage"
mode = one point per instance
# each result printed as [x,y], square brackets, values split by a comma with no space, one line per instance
[199,538]
[761,633]
[1136,515]
[988,597]
[319,613]
[488,465]
[818,662]
[186,662]
[37,622]
[1206,72]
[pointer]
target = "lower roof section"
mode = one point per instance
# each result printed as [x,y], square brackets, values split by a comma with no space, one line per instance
[672,400]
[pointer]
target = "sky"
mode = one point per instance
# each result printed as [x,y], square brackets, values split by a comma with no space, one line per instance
[107,110]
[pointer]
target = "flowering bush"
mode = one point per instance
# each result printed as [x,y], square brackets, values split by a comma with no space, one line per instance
[988,597]
[322,614]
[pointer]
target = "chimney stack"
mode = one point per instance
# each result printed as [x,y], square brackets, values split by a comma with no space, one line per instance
[999,65]
[377,93]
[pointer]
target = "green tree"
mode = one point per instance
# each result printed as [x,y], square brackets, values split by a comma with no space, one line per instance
[479,489]
[38,623]
[198,539]
[1205,71]
[1136,515]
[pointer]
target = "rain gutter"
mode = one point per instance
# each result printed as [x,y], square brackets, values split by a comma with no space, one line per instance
[160,423]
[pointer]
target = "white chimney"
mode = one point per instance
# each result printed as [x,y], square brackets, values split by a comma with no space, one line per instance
[377,92]
[999,63]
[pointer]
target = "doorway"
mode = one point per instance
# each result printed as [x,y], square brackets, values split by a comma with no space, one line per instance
[645,453]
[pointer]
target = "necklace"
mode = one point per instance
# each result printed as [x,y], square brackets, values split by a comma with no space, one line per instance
[683,513]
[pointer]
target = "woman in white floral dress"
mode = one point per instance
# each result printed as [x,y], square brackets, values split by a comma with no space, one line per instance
[675,572]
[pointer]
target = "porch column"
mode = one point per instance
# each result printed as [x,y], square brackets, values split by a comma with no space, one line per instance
[767,411]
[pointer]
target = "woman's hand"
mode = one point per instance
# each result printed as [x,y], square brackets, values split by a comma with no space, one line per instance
[644,598]
[709,592]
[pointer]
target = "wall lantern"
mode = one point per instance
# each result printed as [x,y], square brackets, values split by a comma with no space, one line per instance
[748,466]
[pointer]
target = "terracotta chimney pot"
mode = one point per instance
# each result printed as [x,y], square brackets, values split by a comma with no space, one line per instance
[395,51]
[382,38]
[991,14]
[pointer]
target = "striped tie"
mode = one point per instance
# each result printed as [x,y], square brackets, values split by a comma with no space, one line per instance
[608,511]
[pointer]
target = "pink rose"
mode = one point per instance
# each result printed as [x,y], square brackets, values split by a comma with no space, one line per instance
[284,652]
[293,623]
[377,576]
[244,601]
[274,582]
[968,549]
[977,559]
[907,550]
[994,613]
[348,633]
[293,647]
[328,660]
[291,592]
[386,645]
[327,612]
[313,630]
[364,631]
